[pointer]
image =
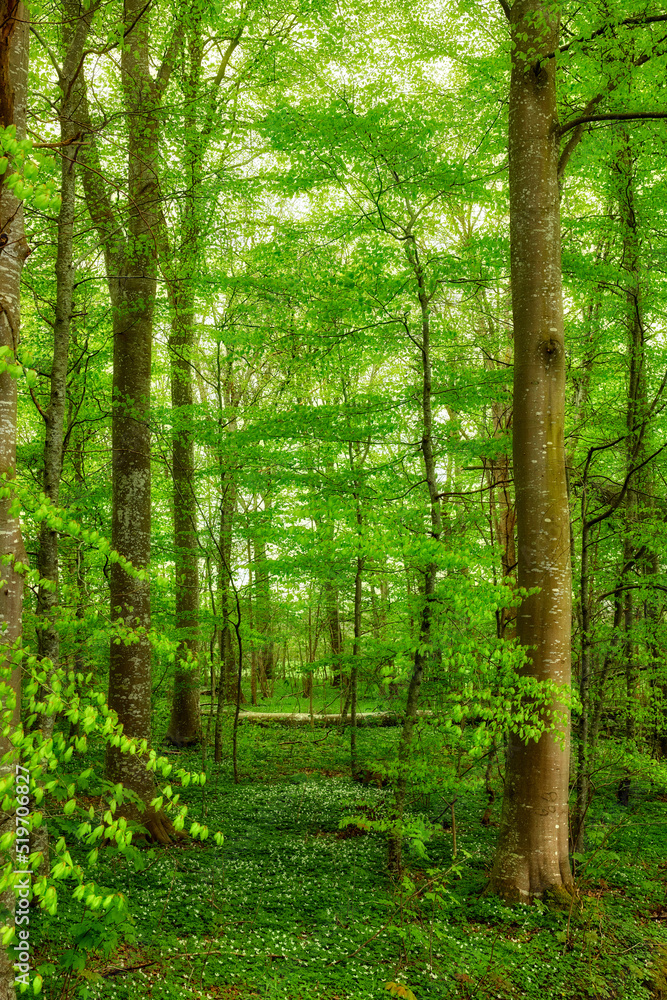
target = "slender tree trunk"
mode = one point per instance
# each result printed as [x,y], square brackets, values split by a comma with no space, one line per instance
[266,651]
[356,647]
[498,467]
[335,631]
[532,853]
[185,722]
[331,609]
[227,640]
[75,32]
[431,572]
[637,415]
[182,273]
[584,748]
[228,691]
[503,515]
[14,38]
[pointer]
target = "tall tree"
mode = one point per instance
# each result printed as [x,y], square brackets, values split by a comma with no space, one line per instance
[131,274]
[532,853]
[76,27]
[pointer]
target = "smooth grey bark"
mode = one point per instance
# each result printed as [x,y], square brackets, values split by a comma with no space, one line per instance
[14,46]
[532,852]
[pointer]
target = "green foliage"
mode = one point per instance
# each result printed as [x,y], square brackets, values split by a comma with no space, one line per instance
[29,166]
[297,906]
[325,174]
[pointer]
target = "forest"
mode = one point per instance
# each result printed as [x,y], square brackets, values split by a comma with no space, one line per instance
[333,452]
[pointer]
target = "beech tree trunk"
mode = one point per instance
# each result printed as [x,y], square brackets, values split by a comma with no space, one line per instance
[130,662]
[75,32]
[131,275]
[532,853]
[14,37]
[185,721]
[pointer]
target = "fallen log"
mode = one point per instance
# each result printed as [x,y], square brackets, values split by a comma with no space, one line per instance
[304,718]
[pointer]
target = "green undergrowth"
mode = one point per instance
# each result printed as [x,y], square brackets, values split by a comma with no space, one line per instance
[294,907]
[285,694]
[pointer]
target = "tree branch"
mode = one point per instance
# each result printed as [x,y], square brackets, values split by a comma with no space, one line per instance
[577,136]
[107,225]
[632,586]
[506,7]
[638,21]
[169,59]
[49,51]
[619,499]
[615,117]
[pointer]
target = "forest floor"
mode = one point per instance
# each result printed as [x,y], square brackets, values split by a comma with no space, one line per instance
[296,906]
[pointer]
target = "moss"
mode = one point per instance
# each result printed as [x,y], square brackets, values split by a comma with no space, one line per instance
[558,897]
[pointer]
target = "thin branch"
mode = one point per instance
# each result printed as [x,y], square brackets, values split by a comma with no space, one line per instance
[39,408]
[638,21]
[577,136]
[619,499]
[632,586]
[49,51]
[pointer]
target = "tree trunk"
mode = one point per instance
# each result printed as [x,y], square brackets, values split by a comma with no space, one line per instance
[356,648]
[335,631]
[14,37]
[584,747]
[185,722]
[532,852]
[431,571]
[75,32]
[227,640]
[636,418]
[266,653]
[503,514]
[131,276]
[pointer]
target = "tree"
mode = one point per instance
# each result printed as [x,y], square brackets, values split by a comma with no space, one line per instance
[532,853]
[131,275]
[75,32]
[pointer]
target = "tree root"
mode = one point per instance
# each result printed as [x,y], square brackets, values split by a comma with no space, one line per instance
[159,828]
[172,741]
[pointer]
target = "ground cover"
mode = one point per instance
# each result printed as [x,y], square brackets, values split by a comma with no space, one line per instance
[292,907]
